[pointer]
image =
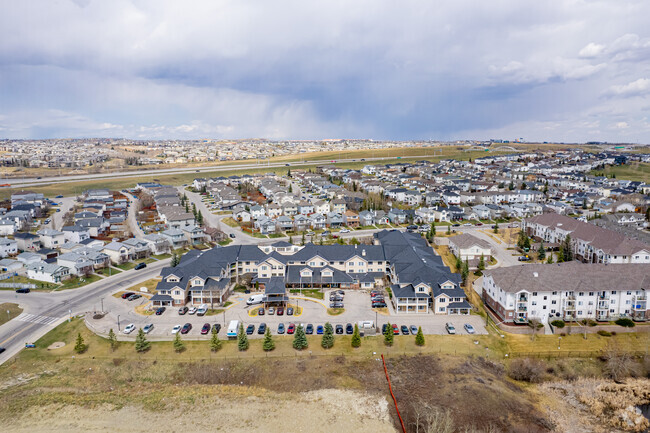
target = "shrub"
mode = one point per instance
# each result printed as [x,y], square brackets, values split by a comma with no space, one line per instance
[356,338]
[300,339]
[179,346]
[527,370]
[604,333]
[80,346]
[625,322]
[328,337]
[419,337]
[558,323]
[141,343]
[268,343]
[618,364]
[242,339]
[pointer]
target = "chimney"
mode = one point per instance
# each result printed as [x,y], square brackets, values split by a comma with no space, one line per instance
[363,252]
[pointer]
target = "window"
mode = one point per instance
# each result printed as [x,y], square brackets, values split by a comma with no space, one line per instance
[534,303]
[613,292]
[534,293]
[553,302]
[581,293]
[591,293]
[443,300]
[554,293]
[441,309]
[629,293]
[545,297]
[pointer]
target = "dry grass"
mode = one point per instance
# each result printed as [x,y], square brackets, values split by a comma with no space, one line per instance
[631,341]
[9,311]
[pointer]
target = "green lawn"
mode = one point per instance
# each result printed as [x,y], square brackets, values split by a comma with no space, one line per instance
[634,171]
[225,242]
[13,309]
[76,282]
[312,293]
[162,256]
[105,272]
[130,265]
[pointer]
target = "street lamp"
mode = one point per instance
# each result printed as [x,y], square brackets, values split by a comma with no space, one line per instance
[559,340]
[102,299]
[118,322]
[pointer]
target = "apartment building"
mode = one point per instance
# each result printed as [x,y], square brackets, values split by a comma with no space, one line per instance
[569,291]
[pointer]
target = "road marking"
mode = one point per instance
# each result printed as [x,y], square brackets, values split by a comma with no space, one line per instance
[43,320]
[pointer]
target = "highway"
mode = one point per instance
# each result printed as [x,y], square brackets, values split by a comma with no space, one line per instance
[170,171]
[43,311]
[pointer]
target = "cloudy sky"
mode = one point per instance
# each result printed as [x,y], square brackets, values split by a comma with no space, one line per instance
[542,70]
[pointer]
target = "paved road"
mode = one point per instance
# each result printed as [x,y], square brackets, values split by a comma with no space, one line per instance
[43,311]
[131,216]
[67,203]
[167,171]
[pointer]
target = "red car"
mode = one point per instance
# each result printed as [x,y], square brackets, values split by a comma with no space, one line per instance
[127,294]
[395,329]
[186,328]
[291,329]
[280,311]
[205,329]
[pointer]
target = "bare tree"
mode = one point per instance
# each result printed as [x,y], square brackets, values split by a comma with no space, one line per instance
[618,363]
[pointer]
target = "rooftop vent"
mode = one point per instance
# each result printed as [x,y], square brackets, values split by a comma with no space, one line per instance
[535,274]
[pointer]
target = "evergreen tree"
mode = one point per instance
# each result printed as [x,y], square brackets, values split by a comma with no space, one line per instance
[448,229]
[527,243]
[356,338]
[112,339]
[187,208]
[511,186]
[523,185]
[496,227]
[419,337]
[481,263]
[268,343]
[327,341]
[388,335]
[549,260]
[568,252]
[459,264]
[215,342]
[199,217]
[289,175]
[433,229]
[79,346]
[242,339]
[141,343]
[179,346]
[560,255]
[300,339]
[175,260]
[194,211]
[541,252]
[291,240]
[302,242]
[464,273]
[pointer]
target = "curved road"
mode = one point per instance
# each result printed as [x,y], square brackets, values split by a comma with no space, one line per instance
[43,311]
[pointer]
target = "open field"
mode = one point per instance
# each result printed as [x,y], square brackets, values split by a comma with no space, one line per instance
[341,389]
[639,171]
[9,311]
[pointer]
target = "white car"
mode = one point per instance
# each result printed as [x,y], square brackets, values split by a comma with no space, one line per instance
[345,231]
[192,310]
[147,328]
[175,329]
[467,225]
[469,328]
[129,328]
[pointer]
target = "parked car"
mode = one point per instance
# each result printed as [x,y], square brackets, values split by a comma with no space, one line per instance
[405,330]
[250,329]
[2,349]
[260,312]
[192,310]
[271,311]
[378,305]
[175,329]
[216,328]
[395,329]
[129,328]
[336,304]
[261,329]
[280,311]
[325,234]
[127,294]
[160,310]
[182,311]
[23,290]
[414,329]
[309,329]
[349,329]
[336,298]
[231,235]
[345,231]
[291,329]
[281,328]
[341,292]
[205,329]
[140,265]
[383,328]
[186,328]
[59,196]
[320,330]
[412,227]
[290,311]
[47,221]
[339,329]
[469,328]
[450,328]
[523,258]
[133,297]
[147,328]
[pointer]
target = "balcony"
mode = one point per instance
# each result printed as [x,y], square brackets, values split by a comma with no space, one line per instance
[602,305]
[522,298]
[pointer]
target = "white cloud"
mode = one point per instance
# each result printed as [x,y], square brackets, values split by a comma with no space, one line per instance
[591,50]
[639,87]
[622,125]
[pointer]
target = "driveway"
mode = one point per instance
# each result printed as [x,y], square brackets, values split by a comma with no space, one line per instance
[131,216]
[504,256]
[67,203]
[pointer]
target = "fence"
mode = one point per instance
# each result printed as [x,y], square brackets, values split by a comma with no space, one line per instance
[7,275]
[17,286]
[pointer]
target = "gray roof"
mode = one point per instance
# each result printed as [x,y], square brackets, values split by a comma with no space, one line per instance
[467,240]
[571,276]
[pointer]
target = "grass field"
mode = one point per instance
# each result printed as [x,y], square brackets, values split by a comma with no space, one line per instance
[9,311]
[75,282]
[639,171]
[108,272]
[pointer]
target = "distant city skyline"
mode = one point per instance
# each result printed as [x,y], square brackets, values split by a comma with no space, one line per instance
[570,71]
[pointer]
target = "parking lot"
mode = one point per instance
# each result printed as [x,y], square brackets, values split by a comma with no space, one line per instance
[357,307]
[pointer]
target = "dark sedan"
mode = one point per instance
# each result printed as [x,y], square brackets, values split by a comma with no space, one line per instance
[205,329]
[250,329]
[261,329]
[160,310]
[186,328]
